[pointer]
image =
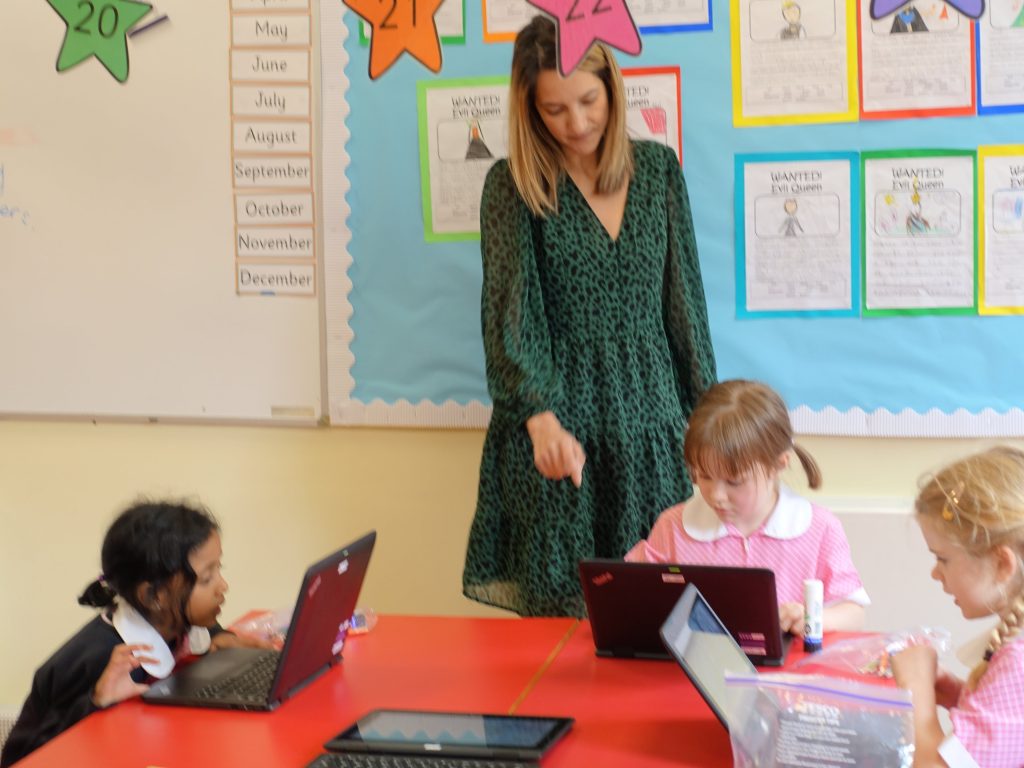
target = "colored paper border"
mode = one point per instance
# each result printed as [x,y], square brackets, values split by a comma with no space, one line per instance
[741,242]
[892,153]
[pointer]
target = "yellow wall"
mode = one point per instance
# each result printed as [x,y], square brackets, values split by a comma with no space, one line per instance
[285,497]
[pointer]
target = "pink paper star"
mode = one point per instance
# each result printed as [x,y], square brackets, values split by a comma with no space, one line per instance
[582,22]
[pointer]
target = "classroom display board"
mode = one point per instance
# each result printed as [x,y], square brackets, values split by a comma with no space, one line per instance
[225,210]
[157,256]
[855,192]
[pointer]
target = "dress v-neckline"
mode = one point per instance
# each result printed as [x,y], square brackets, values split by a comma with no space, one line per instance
[593,213]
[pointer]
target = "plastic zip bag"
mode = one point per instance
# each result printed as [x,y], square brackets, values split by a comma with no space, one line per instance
[871,655]
[266,625]
[273,625]
[795,721]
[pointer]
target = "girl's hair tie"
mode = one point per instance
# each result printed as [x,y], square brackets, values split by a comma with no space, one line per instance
[99,594]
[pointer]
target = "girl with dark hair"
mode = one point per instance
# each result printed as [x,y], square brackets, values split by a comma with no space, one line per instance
[159,595]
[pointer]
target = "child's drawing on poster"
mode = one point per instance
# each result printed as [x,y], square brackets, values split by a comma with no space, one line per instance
[795,250]
[917,60]
[1001,57]
[919,231]
[934,213]
[1001,183]
[463,130]
[793,59]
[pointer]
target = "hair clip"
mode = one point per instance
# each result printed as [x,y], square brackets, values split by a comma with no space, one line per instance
[951,509]
[953,494]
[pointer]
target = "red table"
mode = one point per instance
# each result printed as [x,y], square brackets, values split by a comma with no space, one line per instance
[635,713]
[405,661]
[640,714]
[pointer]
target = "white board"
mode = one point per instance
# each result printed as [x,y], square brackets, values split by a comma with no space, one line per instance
[118,263]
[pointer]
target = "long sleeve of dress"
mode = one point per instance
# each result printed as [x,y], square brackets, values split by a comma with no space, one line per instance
[684,307]
[521,375]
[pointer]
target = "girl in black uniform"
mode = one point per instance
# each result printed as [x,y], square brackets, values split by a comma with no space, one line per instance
[160,594]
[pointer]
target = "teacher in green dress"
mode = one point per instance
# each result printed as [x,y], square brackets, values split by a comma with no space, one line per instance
[595,332]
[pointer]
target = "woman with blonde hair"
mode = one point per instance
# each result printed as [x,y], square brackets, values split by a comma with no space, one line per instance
[595,333]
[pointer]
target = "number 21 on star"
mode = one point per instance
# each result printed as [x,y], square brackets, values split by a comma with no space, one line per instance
[394,22]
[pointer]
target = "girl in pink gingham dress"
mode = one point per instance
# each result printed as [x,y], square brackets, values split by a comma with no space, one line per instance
[738,440]
[972,517]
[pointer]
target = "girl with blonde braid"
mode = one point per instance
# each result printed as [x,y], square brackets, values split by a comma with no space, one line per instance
[972,517]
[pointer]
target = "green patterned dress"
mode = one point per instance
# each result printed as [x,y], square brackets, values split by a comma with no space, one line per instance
[610,335]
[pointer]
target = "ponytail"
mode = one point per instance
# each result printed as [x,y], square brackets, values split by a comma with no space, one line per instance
[98,594]
[810,466]
[1007,629]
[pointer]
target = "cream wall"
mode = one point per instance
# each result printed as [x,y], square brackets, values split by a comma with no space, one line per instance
[287,496]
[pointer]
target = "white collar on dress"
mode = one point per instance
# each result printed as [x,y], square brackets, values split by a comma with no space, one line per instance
[790,518]
[134,629]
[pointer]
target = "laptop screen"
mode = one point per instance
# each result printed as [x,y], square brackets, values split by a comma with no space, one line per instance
[628,602]
[320,621]
[704,649]
[451,733]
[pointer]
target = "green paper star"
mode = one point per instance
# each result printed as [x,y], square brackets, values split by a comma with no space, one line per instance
[98,28]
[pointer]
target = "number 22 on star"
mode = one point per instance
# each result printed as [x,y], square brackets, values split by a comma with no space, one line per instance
[578,12]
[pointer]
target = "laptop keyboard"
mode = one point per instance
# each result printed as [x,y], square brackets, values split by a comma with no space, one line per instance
[359,760]
[251,685]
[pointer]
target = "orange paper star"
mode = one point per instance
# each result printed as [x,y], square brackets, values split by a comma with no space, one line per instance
[400,26]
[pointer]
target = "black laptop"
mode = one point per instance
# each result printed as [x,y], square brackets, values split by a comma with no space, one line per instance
[259,679]
[393,738]
[704,648]
[628,602]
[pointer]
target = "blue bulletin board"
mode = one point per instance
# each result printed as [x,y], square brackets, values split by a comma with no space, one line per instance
[403,315]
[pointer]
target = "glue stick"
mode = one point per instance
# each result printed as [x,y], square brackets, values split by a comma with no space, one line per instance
[814,595]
